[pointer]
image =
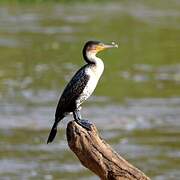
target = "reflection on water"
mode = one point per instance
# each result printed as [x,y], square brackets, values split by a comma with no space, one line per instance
[136,106]
[143,73]
[140,114]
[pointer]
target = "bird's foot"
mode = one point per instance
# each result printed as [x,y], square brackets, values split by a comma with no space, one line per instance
[84,123]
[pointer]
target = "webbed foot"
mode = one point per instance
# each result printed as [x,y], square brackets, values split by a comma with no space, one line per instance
[84,123]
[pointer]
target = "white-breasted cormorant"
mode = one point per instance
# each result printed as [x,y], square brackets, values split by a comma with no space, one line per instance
[81,86]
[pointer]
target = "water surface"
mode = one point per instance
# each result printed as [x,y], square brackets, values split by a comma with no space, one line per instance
[136,105]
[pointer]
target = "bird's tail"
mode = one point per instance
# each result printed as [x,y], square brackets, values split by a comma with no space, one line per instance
[53,132]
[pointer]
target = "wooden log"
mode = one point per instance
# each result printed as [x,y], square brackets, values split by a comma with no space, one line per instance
[96,155]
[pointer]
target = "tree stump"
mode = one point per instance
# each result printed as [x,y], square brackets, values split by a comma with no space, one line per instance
[96,155]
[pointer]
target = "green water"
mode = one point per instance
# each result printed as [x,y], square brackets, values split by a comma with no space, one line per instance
[136,105]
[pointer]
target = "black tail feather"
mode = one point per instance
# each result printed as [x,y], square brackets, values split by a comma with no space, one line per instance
[52,133]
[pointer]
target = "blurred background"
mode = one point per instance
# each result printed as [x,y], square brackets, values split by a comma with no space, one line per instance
[136,105]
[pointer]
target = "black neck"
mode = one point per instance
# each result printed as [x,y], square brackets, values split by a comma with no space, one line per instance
[85,57]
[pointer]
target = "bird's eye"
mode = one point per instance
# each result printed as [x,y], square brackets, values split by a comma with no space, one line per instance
[93,47]
[100,44]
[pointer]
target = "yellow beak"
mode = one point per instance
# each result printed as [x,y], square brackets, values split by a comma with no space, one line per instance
[105,46]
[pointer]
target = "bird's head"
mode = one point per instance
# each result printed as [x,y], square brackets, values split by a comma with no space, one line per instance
[91,48]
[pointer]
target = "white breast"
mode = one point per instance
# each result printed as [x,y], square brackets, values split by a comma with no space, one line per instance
[92,83]
[94,74]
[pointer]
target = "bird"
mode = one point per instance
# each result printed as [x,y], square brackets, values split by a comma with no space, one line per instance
[81,86]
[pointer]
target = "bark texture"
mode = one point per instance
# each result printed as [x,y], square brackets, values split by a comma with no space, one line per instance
[96,155]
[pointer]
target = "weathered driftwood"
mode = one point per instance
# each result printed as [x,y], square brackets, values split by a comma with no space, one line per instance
[95,154]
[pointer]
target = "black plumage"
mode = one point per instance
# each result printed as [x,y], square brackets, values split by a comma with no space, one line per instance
[73,90]
[67,102]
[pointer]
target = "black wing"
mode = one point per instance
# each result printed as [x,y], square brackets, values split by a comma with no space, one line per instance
[67,101]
